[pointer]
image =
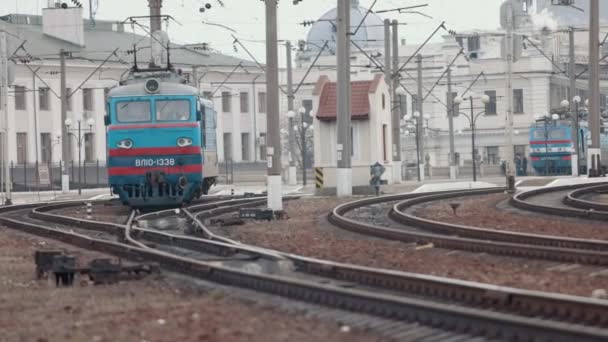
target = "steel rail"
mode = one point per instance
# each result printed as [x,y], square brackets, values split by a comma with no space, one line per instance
[400,215]
[522,201]
[478,322]
[574,198]
[485,245]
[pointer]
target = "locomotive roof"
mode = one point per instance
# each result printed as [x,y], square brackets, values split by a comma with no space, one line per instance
[138,89]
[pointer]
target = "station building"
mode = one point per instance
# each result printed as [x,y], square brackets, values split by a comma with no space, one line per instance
[93,67]
[539,85]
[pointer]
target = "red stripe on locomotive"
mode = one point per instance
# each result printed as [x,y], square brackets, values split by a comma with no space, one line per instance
[134,171]
[153,151]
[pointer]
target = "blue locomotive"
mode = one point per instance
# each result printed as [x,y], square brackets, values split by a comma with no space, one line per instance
[552,146]
[156,126]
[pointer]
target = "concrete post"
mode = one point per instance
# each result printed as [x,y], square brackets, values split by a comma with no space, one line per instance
[420,122]
[396,107]
[7,127]
[593,160]
[571,95]
[292,176]
[65,138]
[450,102]
[275,196]
[344,186]
[155,8]
[509,157]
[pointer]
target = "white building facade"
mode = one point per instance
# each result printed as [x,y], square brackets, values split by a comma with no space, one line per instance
[237,87]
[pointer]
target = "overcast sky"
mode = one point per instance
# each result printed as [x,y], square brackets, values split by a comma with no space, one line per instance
[247,18]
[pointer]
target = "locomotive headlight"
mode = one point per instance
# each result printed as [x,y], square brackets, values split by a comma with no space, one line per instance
[183,142]
[125,143]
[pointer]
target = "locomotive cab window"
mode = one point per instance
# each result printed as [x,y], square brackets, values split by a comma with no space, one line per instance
[173,110]
[133,111]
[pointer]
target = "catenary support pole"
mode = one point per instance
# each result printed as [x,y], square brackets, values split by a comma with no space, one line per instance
[571,95]
[450,102]
[7,127]
[397,159]
[65,139]
[274,193]
[593,159]
[292,176]
[473,159]
[509,157]
[420,123]
[344,185]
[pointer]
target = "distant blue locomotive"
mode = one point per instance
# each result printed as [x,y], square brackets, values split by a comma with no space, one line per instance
[552,146]
[155,133]
[551,149]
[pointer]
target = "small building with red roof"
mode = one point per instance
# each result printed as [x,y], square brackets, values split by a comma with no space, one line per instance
[371,133]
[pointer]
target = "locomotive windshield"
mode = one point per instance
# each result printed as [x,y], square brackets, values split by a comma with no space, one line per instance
[173,110]
[553,133]
[133,111]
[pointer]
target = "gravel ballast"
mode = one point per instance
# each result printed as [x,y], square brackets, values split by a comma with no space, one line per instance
[152,309]
[308,233]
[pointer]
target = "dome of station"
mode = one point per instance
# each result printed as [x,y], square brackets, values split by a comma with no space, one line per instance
[370,35]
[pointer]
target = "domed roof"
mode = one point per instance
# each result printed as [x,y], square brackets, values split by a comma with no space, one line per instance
[370,35]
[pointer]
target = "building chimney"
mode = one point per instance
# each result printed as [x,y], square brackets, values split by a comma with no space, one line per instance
[155,6]
[64,23]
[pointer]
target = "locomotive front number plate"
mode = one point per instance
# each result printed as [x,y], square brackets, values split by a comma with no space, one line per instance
[148,162]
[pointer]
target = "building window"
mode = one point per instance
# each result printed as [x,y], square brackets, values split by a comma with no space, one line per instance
[20,98]
[383,101]
[68,101]
[492,155]
[455,107]
[106,92]
[44,99]
[45,147]
[460,41]
[518,101]
[244,97]
[89,147]
[307,104]
[491,106]
[21,148]
[262,102]
[473,44]
[245,146]
[263,146]
[403,105]
[384,143]
[227,147]
[87,99]
[519,150]
[226,108]
[207,95]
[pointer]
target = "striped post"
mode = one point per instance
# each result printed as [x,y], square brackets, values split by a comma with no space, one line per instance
[319,177]
[89,211]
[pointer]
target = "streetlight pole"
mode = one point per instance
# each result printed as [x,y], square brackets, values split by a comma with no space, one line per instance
[417,119]
[302,111]
[577,100]
[290,99]
[472,121]
[79,139]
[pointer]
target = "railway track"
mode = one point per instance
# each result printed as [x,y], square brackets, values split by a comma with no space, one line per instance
[564,201]
[493,312]
[472,239]
[582,198]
